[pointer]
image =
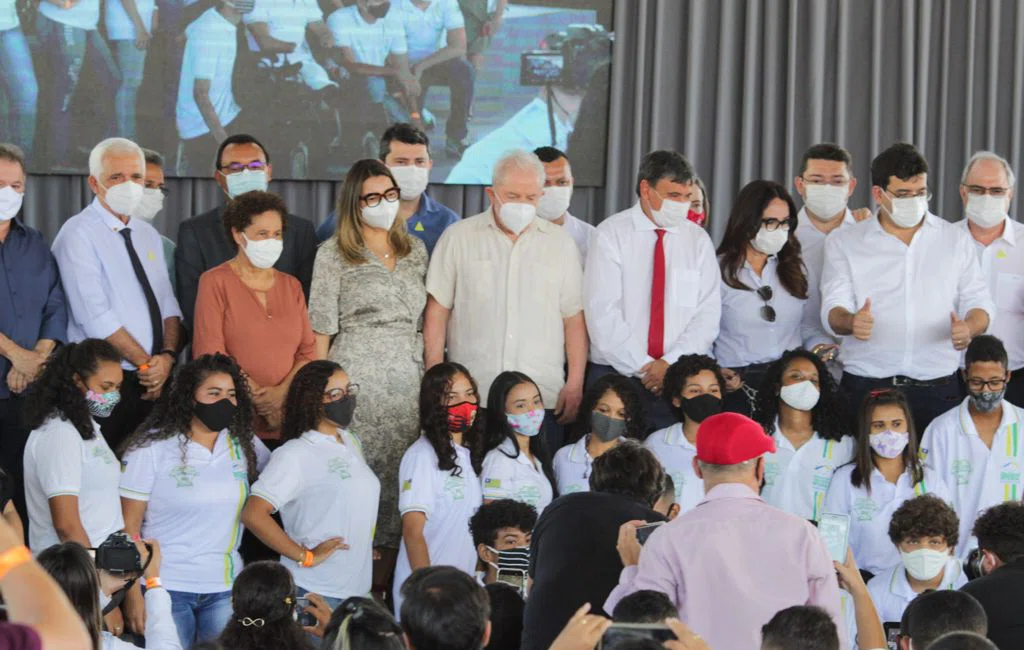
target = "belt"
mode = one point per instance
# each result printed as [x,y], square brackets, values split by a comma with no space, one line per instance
[910,382]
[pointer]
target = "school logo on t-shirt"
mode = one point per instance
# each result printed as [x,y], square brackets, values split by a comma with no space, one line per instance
[573,488]
[865,509]
[493,483]
[104,454]
[822,477]
[529,494]
[1009,473]
[184,475]
[340,467]
[455,486]
[961,471]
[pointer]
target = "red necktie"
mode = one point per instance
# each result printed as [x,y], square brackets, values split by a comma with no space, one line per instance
[656,330]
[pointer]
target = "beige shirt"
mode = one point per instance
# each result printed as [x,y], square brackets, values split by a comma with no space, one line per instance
[507,299]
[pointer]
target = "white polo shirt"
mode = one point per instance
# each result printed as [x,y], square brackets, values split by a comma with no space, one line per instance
[59,463]
[977,477]
[370,43]
[796,480]
[572,465]
[448,502]
[194,500]
[676,455]
[119,26]
[426,30]
[210,53]
[519,478]
[892,593]
[870,513]
[325,489]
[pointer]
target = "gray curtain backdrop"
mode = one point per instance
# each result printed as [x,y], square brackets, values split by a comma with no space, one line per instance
[742,88]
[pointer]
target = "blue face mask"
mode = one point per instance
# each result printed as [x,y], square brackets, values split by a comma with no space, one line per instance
[246,180]
[101,405]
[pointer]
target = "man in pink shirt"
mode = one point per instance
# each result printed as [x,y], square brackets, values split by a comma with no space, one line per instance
[733,561]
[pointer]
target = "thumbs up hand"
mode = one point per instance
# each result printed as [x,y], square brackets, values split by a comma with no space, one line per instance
[960,332]
[863,322]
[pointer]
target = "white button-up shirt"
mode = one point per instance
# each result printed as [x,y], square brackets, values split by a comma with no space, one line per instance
[744,337]
[617,290]
[508,474]
[977,477]
[796,480]
[103,291]
[913,289]
[891,591]
[812,250]
[1002,263]
[580,231]
[676,454]
[507,299]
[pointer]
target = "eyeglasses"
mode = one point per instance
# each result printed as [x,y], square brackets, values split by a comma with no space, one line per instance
[923,194]
[234,168]
[772,225]
[765,293]
[981,190]
[337,393]
[374,199]
[834,182]
[980,384]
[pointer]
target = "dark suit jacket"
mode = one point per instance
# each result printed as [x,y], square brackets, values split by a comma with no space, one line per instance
[1001,594]
[203,244]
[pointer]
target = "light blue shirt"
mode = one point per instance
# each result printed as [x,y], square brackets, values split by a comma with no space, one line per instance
[102,291]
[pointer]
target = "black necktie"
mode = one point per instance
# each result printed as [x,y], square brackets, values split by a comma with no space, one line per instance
[154,308]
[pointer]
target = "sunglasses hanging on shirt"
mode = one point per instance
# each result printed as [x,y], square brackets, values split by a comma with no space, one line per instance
[767,311]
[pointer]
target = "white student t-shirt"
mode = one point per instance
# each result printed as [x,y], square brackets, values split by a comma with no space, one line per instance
[891,592]
[572,465]
[120,27]
[505,477]
[210,52]
[676,455]
[371,44]
[796,480]
[325,489]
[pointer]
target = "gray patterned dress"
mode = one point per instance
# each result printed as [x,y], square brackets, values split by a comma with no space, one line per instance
[377,316]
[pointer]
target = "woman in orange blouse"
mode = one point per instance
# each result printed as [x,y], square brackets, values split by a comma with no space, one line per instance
[254,313]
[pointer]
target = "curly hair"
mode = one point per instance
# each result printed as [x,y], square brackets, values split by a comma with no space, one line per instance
[500,513]
[55,393]
[1000,529]
[239,213]
[864,459]
[685,367]
[437,382]
[172,415]
[924,516]
[636,414]
[264,590]
[498,429]
[304,406]
[829,417]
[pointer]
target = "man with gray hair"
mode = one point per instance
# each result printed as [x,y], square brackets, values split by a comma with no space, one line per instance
[116,281]
[505,294]
[986,188]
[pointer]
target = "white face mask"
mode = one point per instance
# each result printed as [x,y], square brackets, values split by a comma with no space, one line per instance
[924,563]
[517,216]
[908,212]
[412,180]
[152,203]
[10,203]
[263,253]
[802,396]
[826,201]
[770,242]
[381,215]
[986,211]
[671,214]
[124,198]
[554,202]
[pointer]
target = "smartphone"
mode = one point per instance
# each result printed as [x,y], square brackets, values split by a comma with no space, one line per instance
[514,578]
[835,530]
[306,619]
[892,635]
[643,532]
[625,631]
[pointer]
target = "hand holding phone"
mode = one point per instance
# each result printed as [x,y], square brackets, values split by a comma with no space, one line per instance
[835,531]
[623,631]
[643,532]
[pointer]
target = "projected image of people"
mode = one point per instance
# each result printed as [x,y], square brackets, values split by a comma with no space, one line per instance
[318,81]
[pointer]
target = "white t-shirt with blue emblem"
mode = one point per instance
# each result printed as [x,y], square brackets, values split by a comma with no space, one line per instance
[508,474]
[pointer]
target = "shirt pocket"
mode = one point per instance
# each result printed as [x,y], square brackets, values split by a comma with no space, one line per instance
[685,286]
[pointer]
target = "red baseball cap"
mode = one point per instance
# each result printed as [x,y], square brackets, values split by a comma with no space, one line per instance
[730,439]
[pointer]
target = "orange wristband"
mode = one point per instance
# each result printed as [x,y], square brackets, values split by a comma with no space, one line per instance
[153,583]
[307,560]
[12,558]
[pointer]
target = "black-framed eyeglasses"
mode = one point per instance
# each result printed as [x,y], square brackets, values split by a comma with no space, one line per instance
[236,167]
[373,200]
[995,385]
[765,293]
[772,225]
[923,194]
[981,190]
[337,393]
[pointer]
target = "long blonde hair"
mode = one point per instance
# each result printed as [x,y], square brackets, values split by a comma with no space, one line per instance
[350,231]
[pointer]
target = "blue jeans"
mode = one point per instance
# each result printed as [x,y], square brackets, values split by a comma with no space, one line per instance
[132,61]
[18,85]
[68,48]
[200,617]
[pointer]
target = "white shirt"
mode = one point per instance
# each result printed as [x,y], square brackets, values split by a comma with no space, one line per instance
[286,20]
[161,632]
[527,129]
[447,501]
[870,513]
[744,337]
[977,477]
[205,492]
[580,231]
[507,477]
[676,455]
[812,250]
[102,289]
[1002,264]
[796,480]
[210,53]
[324,489]
[891,591]
[371,44]
[119,26]
[912,289]
[59,463]
[572,465]
[508,300]
[84,15]
[426,29]
[617,290]
[9,15]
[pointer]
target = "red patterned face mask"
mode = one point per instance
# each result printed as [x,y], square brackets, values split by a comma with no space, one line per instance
[696,217]
[461,417]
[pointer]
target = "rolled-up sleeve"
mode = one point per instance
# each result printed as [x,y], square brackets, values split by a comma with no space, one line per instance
[836,283]
[610,333]
[82,276]
[972,290]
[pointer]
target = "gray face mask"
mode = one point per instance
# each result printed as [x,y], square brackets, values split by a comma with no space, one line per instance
[986,402]
[605,428]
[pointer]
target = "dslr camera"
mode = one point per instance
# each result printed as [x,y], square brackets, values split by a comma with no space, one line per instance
[570,58]
[119,555]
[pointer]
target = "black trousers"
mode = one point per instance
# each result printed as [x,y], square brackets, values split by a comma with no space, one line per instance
[926,402]
[128,414]
[13,436]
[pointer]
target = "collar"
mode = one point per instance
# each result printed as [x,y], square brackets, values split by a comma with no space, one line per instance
[967,422]
[675,436]
[899,585]
[427,205]
[511,450]
[724,491]
[108,218]
[782,442]
[806,221]
[641,222]
[315,437]
[17,225]
[1009,235]
[930,222]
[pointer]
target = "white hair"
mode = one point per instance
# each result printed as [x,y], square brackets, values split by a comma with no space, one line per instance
[514,160]
[113,146]
[1011,179]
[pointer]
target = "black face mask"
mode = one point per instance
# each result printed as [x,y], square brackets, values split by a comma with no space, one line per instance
[379,11]
[701,407]
[340,411]
[216,416]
